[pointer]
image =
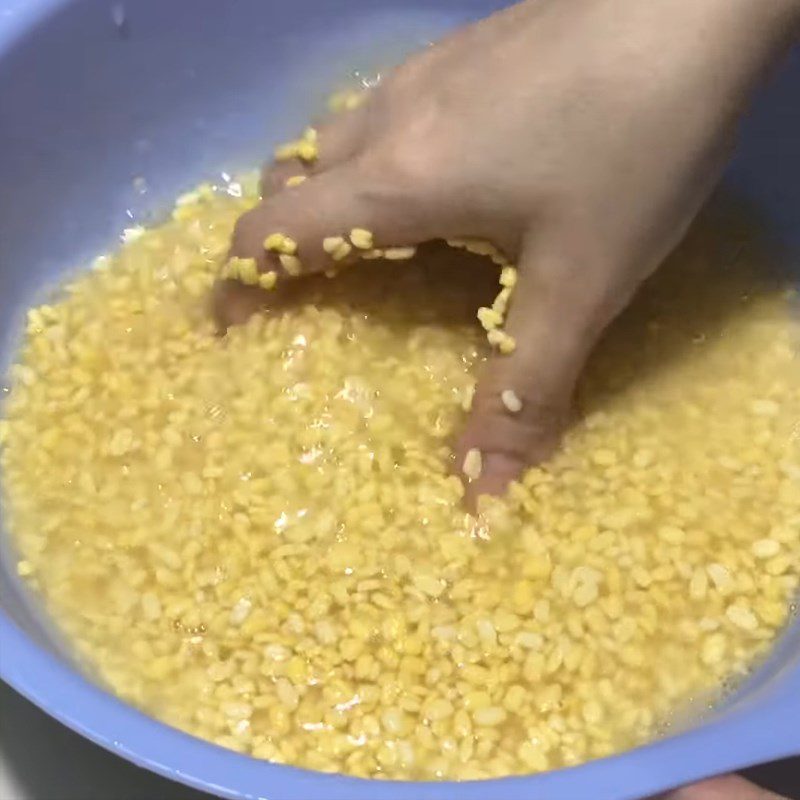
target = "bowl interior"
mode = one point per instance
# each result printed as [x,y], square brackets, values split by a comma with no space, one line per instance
[109,110]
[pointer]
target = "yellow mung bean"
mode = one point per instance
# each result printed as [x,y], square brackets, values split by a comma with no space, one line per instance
[260,538]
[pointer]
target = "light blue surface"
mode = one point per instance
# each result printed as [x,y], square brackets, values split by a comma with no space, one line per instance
[180,90]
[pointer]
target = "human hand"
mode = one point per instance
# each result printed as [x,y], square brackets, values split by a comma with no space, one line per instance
[579,137]
[728,787]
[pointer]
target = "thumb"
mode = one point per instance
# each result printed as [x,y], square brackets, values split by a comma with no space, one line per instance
[330,220]
[523,400]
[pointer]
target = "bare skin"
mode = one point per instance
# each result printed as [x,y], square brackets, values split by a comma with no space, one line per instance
[729,787]
[581,137]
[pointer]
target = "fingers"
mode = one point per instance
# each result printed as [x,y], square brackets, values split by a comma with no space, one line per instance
[523,400]
[331,220]
[728,787]
[233,303]
[324,207]
[337,140]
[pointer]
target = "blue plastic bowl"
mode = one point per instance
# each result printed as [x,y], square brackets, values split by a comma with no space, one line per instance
[94,93]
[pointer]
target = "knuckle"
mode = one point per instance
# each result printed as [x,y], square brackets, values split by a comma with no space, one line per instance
[408,165]
[273,178]
[248,235]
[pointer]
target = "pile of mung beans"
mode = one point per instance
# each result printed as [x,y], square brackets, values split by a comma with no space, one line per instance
[260,538]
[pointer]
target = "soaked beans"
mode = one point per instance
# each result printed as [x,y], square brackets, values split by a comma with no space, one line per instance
[259,538]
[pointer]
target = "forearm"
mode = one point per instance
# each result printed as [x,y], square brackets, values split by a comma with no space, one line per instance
[771,24]
[757,34]
[776,22]
[764,31]
[761,28]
